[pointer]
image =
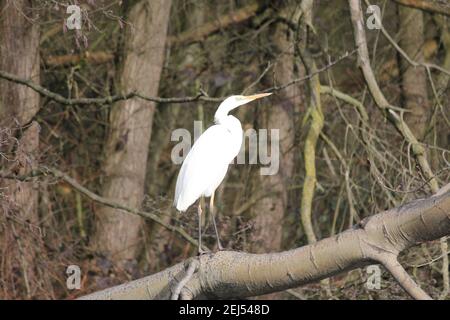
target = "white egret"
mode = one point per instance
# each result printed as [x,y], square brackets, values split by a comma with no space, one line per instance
[207,162]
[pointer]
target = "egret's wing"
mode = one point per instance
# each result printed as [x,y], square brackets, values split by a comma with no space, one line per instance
[204,166]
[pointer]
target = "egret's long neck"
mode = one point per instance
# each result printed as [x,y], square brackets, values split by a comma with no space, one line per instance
[222,112]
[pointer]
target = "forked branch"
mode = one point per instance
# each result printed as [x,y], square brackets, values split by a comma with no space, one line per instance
[229,274]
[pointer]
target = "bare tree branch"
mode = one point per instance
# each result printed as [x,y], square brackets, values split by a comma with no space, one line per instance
[103,100]
[110,203]
[106,202]
[209,28]
[435,6]
[192,267]
[417,148]
[201,96]
[408,58]
[379,98]
[316,123]
[196,34]
[228,274]
[404,280]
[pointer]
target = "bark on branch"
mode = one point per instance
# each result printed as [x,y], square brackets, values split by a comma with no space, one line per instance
[382,103]
[229,274]
[435,6]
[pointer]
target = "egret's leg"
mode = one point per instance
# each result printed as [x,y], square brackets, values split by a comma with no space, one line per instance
[211,210]
[199,211]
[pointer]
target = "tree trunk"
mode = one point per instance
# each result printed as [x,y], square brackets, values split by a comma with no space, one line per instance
[19,55]
[414,80]
[157,180]
[126,150]
[268,223]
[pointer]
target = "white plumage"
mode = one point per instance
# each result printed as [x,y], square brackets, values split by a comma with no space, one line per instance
[207,162]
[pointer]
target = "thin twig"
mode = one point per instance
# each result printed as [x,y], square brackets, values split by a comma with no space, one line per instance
[104,201]
[103,100]
[201,96]
[312,74]
[403,278]
[405,55]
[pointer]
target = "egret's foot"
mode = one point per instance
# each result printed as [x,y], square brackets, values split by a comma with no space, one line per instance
[201,252]
[219,247]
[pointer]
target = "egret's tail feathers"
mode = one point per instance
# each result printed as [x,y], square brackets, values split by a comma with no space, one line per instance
[179,206]
[181,209]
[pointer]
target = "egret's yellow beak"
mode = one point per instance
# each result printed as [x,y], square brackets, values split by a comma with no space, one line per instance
[257,96]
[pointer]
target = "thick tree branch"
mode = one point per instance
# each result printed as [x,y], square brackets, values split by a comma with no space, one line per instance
[229,274]
[435,6]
